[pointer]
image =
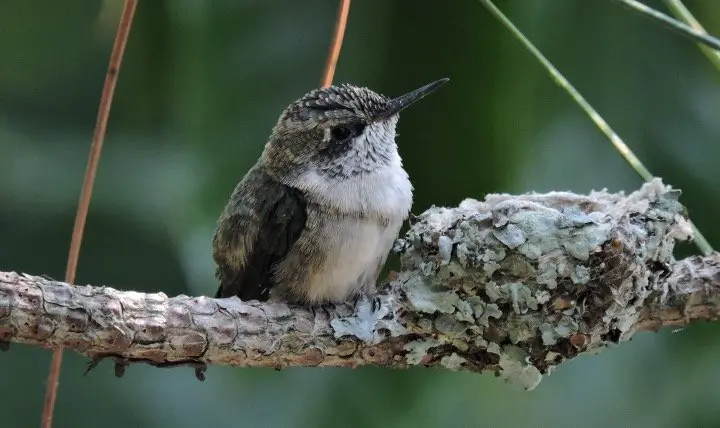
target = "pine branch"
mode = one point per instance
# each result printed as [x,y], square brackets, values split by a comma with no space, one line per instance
[514,285]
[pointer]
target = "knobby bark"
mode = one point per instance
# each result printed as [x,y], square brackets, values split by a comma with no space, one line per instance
[514,285]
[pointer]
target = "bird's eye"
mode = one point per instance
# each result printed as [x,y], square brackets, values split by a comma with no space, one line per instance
[342,133]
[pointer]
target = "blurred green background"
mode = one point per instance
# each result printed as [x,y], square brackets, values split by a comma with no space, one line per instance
[202,84]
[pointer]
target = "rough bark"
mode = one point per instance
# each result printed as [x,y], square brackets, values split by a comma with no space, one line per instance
[514,285]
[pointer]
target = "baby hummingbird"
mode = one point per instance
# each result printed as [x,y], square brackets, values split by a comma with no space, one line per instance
[313,221]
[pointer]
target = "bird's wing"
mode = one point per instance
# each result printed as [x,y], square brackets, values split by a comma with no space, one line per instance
[262,221]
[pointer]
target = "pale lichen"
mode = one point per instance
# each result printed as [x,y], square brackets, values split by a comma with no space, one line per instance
[516,370]
[367,323]
[422,299]
[452,361]
[541,278]
[417,349]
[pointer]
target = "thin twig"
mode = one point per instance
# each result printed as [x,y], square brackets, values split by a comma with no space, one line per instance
[699,240]
[340,24]
[87,188]
[673,24]
[680,11]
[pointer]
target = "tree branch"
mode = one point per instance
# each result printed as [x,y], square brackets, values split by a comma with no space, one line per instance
[514,285]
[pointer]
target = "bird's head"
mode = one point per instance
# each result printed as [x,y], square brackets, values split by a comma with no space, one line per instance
[338,131]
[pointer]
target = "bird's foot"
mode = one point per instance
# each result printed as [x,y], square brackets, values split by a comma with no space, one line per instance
[121,363]
[325,308]
[375,301]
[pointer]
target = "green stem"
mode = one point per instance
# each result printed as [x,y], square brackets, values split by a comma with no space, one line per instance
[673,24]
[681,12]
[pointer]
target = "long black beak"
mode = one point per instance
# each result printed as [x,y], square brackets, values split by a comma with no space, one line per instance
[402,102]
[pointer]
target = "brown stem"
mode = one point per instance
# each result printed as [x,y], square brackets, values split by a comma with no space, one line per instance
[87,187]
[340,24]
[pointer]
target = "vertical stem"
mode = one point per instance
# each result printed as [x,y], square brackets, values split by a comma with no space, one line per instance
[87,188]
[337,41]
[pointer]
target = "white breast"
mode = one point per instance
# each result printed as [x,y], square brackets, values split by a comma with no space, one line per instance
[356,250]
[387,191]
[356,245]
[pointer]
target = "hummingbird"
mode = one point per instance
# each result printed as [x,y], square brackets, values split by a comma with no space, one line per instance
[314,219]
